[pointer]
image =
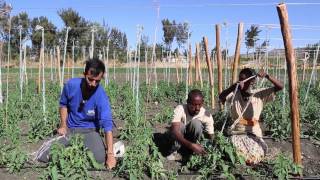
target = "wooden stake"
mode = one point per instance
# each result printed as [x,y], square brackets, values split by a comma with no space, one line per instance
[209,64]
[293,86]
[219,61]
[198,66]
[237,54]
[196,63]
[219,58]
[177,67]
[190,66]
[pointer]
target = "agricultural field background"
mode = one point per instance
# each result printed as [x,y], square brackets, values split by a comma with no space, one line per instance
[155,52]
[24,127]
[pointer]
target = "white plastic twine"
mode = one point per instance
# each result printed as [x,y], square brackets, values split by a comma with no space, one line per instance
[146,63]
[64,57]
[51,65]
[1,96]
[25,77]
[9,55]
[20,62]
[232,101]
[45,147]
[107,66]
[93,29]
[72,70]
[284,85]
[153,56]
[312,73]
[114,65]
[127,68]
[169,69]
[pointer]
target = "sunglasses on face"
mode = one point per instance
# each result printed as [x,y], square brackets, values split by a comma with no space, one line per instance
[93,80]
[81,105]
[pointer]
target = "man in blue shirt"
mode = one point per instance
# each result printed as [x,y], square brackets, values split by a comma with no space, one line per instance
[84,109]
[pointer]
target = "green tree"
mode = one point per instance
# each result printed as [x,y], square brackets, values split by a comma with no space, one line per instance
[252,37]
[169,32]
[182,32]
[21,20]
[50,33]
[5,10]
[80,29]
[118,44]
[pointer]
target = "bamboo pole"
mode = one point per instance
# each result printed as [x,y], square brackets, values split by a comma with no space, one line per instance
[199,65]
[237,54]
[209,64]
[190,66]
[219,58]
[177,68]
[293,85]
[196,63]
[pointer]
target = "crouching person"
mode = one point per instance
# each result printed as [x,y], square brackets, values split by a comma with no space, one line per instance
[84,109]
[246,106]
[189,122]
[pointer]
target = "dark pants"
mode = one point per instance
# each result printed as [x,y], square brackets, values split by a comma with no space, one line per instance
[92,140]
[192,132]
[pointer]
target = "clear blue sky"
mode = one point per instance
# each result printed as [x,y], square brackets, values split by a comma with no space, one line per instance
[201,14]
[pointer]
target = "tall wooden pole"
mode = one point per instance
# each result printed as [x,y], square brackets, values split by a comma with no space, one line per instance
[237,54]
[196,62]
[219,58]
[199,65]
[177,68]
[293,85]
[209,64]
[190,66]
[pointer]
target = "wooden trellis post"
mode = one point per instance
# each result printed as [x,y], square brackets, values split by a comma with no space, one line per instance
[209,64]
[177,67]
[190,66]
[237,54]
[293,85]
[198,63]
[219,58]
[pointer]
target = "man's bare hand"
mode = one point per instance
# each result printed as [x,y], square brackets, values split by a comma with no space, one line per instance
[111,161]
[261,73]
[62,130]
[198,149]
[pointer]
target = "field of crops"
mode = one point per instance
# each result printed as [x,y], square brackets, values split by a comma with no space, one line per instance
[24,127]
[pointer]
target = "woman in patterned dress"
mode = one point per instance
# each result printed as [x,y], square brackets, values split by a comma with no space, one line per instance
[246,106]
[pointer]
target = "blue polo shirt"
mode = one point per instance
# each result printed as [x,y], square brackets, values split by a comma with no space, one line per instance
[96,112]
